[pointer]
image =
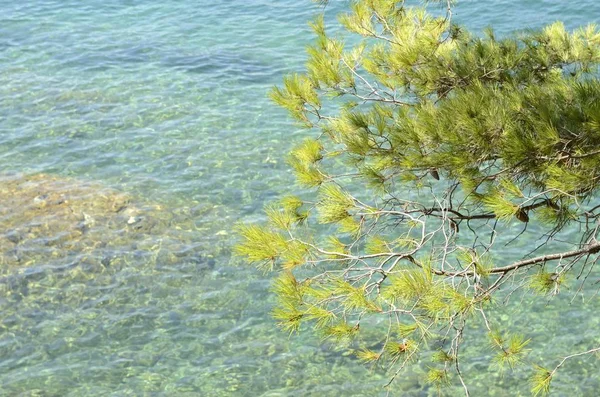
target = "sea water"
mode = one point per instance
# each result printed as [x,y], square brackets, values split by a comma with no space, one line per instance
[153,117]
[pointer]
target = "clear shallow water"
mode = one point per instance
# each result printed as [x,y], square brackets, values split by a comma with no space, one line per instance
[165,103]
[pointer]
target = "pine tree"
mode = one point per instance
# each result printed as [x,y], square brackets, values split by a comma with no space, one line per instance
[432,150]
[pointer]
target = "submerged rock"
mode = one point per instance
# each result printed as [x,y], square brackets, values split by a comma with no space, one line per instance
[64,224]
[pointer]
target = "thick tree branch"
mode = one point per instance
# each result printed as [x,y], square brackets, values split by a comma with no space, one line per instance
[588,249]
[592,248]
[461,216]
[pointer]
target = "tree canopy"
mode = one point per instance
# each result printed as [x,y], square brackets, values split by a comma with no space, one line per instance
[433,153]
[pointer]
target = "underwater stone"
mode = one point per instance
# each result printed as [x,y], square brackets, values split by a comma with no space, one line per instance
[56,348]
[14,236]
[211,263]
[105,261]
[59,230]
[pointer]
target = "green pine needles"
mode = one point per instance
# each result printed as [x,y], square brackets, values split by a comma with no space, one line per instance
[433,151]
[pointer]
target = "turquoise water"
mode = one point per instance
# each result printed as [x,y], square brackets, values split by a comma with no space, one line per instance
[165,103]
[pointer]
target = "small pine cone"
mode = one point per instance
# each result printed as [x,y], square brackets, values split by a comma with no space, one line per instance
[522,216]
[454,226]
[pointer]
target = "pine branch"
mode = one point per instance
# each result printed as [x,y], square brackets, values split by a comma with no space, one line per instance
[597,349]
[592,248]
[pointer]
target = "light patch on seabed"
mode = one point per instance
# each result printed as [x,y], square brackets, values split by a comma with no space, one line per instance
[47,218]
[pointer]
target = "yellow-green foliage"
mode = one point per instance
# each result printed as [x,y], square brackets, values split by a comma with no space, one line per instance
[354,297]
[307,174]
[499,205]
[546,282]
[340,331]
[401,350]
[298,91]
[292,205]
[368,356]
[510,188]
[540,381]
[260,245]
[469,258]
[510,349]
[339,249]
[438,377]
[321,317]
[441,356]
[421,138]
[308,152]
[408,285]
[376,245]
[334,204]
[407,330]
[295,254]
[280,218]
[290,296]
[349,225]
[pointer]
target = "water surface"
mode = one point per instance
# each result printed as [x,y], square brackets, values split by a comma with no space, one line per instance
[133,136]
